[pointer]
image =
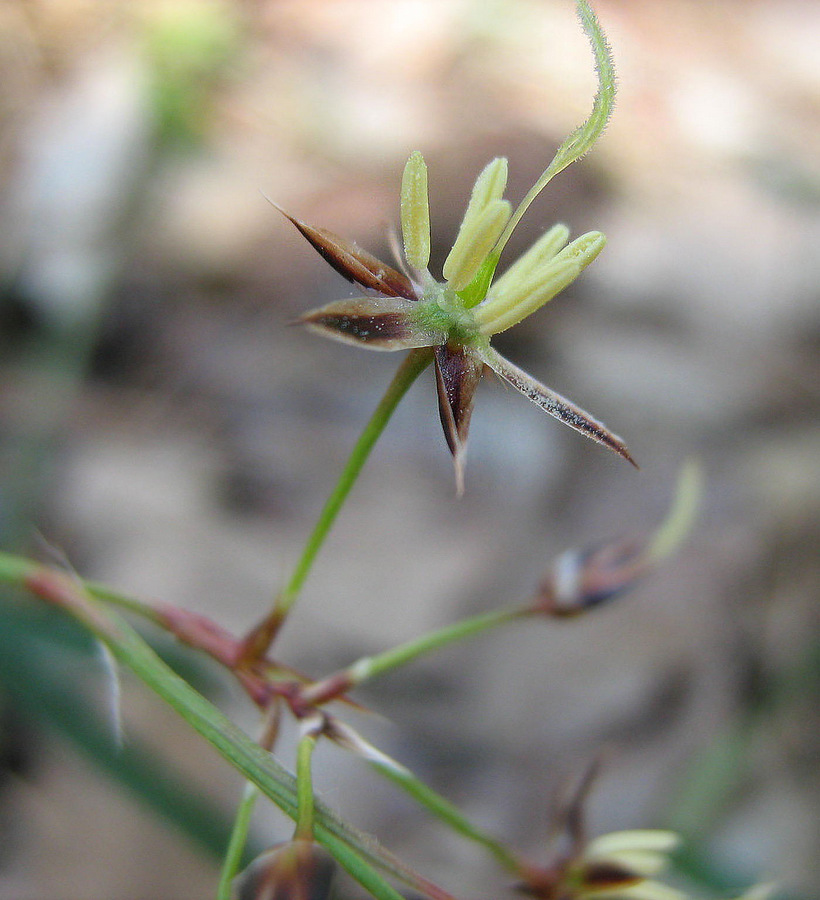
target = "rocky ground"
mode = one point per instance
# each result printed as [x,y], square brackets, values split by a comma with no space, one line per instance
[172,434]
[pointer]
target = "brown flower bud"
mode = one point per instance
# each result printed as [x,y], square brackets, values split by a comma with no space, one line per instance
[582,579]
[296,870]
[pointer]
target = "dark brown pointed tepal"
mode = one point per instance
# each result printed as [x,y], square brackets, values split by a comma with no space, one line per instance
[605,875]
[355,264]
[458,371]
[377,323]
[556,405]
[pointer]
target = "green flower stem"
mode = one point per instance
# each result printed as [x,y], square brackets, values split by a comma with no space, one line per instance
[372,666]
[304,787]
[681,517]
[236,845]
[444,810]
[414,364]
[242,821]
[367,667]
[357,852]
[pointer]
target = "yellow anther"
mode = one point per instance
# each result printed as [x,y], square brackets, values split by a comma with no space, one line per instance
[415,212]
[476,238]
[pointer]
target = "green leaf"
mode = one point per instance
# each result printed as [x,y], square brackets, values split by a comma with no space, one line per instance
[38,652]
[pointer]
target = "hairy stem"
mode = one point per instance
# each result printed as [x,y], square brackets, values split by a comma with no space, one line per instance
[582,139]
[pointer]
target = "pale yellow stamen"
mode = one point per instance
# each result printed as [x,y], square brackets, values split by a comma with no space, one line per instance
[644,890]
[475,240]
[653,839]
[541,252]
[522,296]
[415,212]
[499,314]
[490,185]
[484,220]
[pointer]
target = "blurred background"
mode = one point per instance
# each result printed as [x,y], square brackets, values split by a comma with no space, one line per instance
[164,428]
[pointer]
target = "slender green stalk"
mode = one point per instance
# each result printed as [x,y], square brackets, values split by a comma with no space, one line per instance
[357,852]
[583,138]
[371,666]
[365,874]
[304,787]
[16,568]
[236,845]
[414,364]
[242,821]
[444,810]
[122,601]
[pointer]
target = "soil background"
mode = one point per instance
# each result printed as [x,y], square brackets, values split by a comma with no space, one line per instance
[167,430]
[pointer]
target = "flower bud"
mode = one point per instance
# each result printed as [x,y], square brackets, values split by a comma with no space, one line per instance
[296,870]
[582,579]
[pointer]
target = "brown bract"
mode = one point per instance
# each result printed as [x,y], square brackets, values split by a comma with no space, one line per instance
[458,371]
[355,264]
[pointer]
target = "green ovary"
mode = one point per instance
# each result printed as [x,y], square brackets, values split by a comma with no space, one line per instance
[442,311]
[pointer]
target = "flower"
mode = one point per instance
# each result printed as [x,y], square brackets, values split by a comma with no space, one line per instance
[621,865]
[456,317]
[615,866]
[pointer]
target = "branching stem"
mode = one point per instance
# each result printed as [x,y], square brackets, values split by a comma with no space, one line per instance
[412,366]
